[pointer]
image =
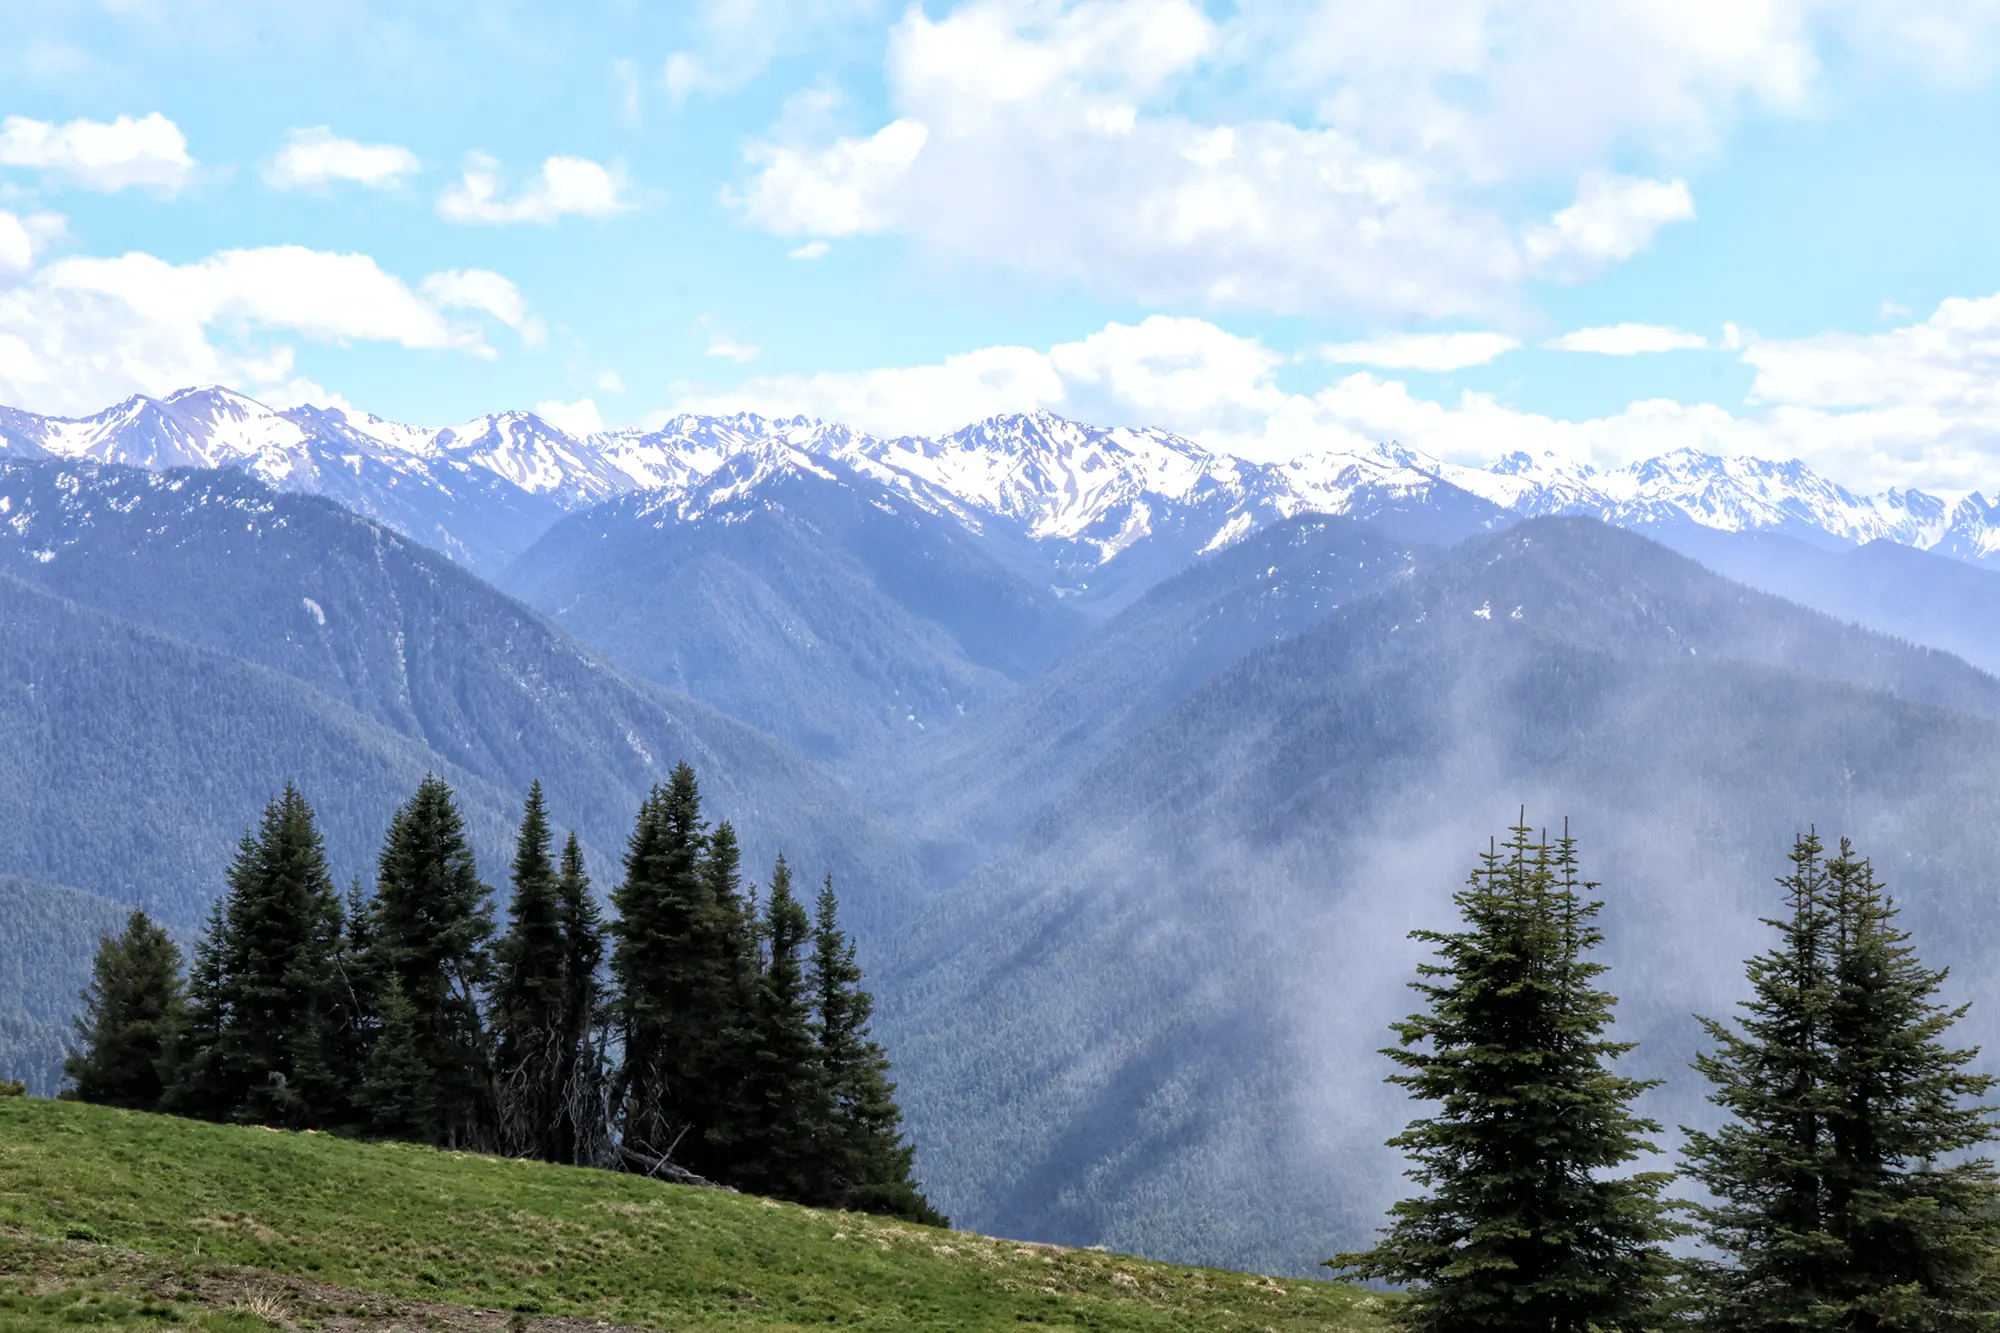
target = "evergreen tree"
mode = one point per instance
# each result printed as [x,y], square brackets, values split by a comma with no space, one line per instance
[784,1098]
[582,1129]
[131,1024]
[428,928]
[268,994]
[1520,1226]
[1831,1204]
[672,1006]
[863,1163]
[729,1134]
[529,994]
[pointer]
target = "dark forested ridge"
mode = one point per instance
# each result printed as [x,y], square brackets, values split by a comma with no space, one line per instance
[190,641]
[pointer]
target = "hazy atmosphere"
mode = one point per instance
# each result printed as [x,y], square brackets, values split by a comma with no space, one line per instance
[882,641]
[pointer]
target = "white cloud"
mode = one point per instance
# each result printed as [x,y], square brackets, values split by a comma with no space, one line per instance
[1627,340]
[1613,218]
[312,158]
[809,251]
[722,345]
[23,239]
[483,289]
[1313,158]
[1423,351]
[565,186]
[849,188]
[148,152]
[611,382]
[1918,406]
[80,332]
[317,293]
[578,418]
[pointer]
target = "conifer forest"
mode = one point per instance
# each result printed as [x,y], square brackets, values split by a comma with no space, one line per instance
[703,1033]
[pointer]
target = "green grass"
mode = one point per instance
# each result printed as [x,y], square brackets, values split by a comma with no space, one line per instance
[138,1222]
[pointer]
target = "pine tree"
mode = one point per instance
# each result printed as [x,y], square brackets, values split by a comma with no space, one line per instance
[672,1009]
[784,1097]
[1521,1226]
[131,1024]
[528,996]
[268,995]
[429,925]
[1834,1205]
[864,1164]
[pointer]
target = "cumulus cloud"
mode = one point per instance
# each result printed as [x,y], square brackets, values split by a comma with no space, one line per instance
[564,187]
[23,239]
[148,152]
[1613,218]
[83,331]
[313,158]
[483,289]
[1627,340]
[1423,351]
[1915,406]
[809,251]
[1309,158]
[578,418]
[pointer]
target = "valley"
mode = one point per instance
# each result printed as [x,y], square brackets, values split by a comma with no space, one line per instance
[1134,763]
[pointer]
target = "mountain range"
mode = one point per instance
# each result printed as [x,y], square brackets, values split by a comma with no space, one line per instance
[1133,762]
[1097,513]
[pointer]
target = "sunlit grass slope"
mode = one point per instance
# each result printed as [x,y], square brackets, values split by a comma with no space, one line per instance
[142,1222]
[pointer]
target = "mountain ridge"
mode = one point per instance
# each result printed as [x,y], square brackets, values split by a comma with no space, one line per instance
[1069,503]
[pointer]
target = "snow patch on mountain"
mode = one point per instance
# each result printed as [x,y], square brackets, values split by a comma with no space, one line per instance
[1094,492]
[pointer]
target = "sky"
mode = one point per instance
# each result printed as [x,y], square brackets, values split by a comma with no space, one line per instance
[1601,231]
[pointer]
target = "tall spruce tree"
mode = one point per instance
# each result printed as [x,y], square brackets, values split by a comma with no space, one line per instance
[674,1005]
[863,1162]
[528,996]
[268,997]
[1521,1225]
[1836,1203]
[428,927]
[784,1100]
[130,1029]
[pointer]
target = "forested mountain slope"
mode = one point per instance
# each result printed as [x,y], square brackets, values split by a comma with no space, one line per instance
[1152,1023]
[193,639]
[979,785]
[48,935]
[801,596]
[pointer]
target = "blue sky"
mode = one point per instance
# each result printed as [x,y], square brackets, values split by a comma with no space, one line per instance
[1761,226]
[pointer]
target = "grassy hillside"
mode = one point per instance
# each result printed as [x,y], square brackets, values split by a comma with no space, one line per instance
[142,1222]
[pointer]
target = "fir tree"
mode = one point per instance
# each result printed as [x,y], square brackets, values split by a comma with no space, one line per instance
[672,982]
[784,1098]
[268,994]
[1521,1226]
[863,1163]
[1832,1205]
[582,1132]
[132,1019]
[528,996]
[428,928]
[731,1060]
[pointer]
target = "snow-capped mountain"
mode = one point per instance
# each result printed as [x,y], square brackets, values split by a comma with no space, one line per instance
[1101,511]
